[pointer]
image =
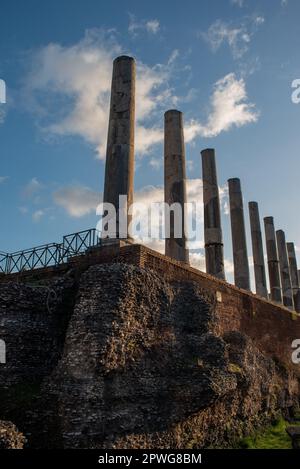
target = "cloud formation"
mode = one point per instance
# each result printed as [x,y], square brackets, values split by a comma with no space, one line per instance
[77,200]
[77,80]
[37,215]
[229,107]
[135,26]
[68,90]
[239,3]
[32,187]
[236,36]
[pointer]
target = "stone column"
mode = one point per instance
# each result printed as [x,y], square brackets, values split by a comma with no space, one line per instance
[214,255]
[119,168]
[294,275]
[257,250]
[175,186]
[273,263]
[238,232]
[286,284]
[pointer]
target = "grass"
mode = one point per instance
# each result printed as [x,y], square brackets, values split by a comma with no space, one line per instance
[273,437]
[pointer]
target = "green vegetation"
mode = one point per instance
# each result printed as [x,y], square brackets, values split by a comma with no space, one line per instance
[273,437]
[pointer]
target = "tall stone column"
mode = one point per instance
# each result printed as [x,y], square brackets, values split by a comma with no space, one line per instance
[175,185]
[294,275]
[214,251]
[273,262]
[238,233]
[119,168]
[287,292]
[257,250]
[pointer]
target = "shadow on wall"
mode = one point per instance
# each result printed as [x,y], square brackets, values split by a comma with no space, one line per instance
[141,368]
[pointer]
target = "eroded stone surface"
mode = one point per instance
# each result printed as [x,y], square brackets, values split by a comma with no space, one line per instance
[175,184]
[147,363]
[238,234]
[141,368]
[214,250]
[10,437]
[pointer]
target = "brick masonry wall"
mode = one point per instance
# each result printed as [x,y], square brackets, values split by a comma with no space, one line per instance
[271,326]
[33,320]
[149,354]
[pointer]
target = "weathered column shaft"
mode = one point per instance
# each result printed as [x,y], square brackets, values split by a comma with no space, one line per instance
[175,186]
[287,292]
[293,264]
[238,232]
[119,169]
[214,251]
[273,263]
[294,275]
[297,302]
[257,250]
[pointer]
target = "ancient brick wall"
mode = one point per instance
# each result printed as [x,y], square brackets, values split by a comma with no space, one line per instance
[272,327]
[149,354]
[33,320]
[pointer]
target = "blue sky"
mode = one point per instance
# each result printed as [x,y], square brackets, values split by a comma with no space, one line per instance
[228,65]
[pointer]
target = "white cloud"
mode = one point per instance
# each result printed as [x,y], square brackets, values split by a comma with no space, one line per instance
[80,77]
[135,26]
[153,26]
[189,165]
[155,194]
[151,194]
[77,200]
[237,36]
[156,163]
[145,138]
[239,3]
[3,179]
[259,20]
[68,90]
[197,260]
[32,187]
[284,3]
[173,56]
[228,266]
[229,108]
[37,215]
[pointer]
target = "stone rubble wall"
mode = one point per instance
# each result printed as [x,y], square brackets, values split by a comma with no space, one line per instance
[136,350]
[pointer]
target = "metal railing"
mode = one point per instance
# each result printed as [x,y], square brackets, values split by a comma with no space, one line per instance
[52,254]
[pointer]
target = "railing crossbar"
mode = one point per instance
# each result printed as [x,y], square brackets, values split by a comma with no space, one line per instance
[49,254]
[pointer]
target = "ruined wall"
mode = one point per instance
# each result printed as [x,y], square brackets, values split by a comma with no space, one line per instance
[33,321]
[142,352]
[271,326]
[142,367]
